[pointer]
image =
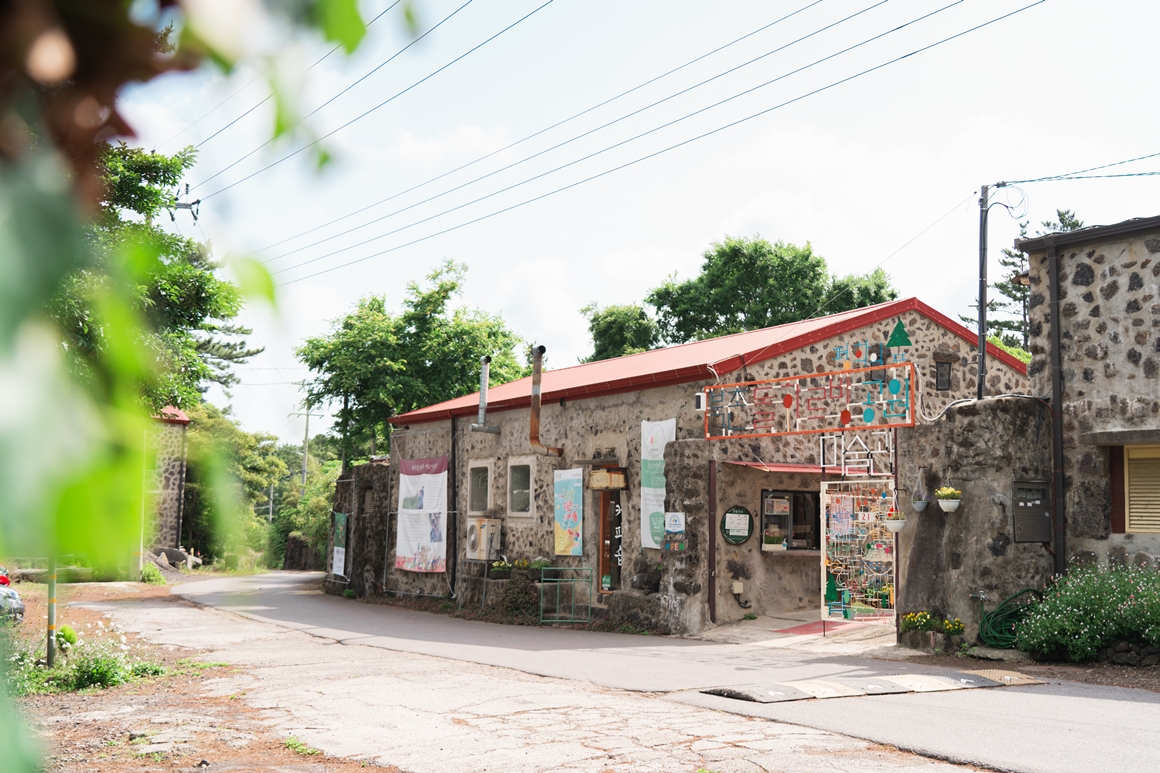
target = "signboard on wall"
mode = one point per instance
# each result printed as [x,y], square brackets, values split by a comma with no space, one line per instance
[421,538]
[876,398]
[569,512]
[338,557]
[654,435]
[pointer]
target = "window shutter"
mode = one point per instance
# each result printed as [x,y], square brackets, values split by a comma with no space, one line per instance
[1143,489]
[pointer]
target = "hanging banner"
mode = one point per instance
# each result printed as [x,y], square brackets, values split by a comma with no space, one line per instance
[653,437]
[338,557]
[420,542]
[569,512]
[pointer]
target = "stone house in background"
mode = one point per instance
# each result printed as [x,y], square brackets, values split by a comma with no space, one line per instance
[1069,473]
[594,412]
[165,480]
[1101,364]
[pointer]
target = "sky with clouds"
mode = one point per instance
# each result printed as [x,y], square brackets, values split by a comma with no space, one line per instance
[634,192]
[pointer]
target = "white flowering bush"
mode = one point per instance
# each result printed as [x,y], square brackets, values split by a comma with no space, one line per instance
[103,660]
[1092,608]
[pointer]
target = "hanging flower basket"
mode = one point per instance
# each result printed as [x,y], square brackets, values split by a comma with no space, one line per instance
[896,525]
[919,504]
[948,498]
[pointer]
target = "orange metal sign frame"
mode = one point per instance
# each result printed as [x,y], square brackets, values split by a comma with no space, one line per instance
[824,430]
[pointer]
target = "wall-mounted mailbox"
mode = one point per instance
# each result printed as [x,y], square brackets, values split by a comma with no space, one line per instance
[1031,511]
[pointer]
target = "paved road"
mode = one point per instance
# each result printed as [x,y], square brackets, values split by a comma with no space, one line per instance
[1043,729]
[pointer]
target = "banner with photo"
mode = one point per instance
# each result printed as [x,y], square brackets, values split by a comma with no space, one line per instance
[421,539]
[653,437]
[569,512]
[338,556]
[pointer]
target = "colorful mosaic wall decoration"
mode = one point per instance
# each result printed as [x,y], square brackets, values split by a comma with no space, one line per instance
[858,553]
[878,397]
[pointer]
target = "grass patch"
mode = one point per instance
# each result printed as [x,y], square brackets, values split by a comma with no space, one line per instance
[82,665]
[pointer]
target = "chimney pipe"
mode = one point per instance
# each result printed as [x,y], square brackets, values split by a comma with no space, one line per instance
[534,422]
[484,377]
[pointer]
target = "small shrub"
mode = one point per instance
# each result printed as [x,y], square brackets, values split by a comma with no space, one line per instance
[66,639]
[749,616]
[143,668]
[99,669]
[296,746]
[928,621]
[1092,608]
[349,593]
[151,575]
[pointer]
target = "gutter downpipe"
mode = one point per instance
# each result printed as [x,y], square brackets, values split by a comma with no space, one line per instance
[713,541]
[484,378]
[1059,513]
[534,420]
[981,390]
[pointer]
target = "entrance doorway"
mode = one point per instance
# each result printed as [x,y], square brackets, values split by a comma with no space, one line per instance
[611,554]
[859,552]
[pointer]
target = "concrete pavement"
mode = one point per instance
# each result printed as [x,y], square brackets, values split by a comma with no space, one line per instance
[1055,727]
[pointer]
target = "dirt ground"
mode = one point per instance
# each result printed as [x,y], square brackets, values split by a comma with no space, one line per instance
[1106,674]
[163,723]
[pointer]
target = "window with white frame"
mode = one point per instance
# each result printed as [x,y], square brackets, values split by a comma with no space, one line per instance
[520,494]
[1142,489]
[478,488]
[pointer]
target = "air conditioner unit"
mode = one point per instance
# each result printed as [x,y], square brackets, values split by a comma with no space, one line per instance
[482,539]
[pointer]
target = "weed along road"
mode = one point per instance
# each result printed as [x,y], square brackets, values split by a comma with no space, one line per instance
[960,716]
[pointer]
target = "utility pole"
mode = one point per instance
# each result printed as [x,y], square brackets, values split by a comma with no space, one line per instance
[305,444]
[983,210]
[50,653]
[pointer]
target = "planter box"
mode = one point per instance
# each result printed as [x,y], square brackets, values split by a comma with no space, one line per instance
[771,547]
[499,574]
[929,641]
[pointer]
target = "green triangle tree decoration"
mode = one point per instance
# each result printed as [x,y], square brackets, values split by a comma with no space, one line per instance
[898,336]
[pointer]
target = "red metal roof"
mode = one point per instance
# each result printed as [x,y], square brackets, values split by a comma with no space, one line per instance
[686,363]
[171,415]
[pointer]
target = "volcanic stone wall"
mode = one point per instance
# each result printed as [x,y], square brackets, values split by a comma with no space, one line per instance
[982,448]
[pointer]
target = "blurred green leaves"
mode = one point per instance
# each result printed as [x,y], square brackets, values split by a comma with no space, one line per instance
[341,23]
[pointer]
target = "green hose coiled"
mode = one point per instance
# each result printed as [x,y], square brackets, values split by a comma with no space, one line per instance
[997,627]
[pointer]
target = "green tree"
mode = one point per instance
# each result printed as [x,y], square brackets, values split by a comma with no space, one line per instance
[619,330]
[242,463]
[375,363]
[747,284]
[186,306]
[1007,318]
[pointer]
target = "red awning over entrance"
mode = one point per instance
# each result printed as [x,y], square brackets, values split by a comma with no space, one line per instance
[815,469]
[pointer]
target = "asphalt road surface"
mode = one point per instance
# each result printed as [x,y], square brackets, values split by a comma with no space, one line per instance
[1052,728]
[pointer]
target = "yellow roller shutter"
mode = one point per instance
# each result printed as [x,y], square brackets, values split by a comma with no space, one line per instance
[1142,488]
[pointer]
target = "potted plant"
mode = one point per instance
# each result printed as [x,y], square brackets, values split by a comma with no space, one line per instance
[948,498]
[895,521]
[772,540]
[919,501]
[537,567]
[499,570]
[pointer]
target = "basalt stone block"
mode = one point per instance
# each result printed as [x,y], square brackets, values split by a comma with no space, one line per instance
[1083,275]
[1133,307]
[1135,281]
[1109,290]
[1118,556]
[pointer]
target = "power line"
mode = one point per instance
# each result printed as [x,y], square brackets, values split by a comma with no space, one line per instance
[541,131]
[266,99]
[594,130]
[339,94]
[1073,175]
[610,147]
[359,117]
[675,146]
